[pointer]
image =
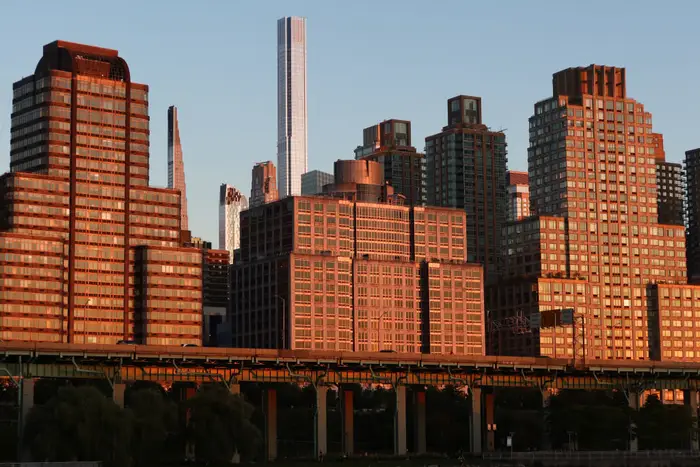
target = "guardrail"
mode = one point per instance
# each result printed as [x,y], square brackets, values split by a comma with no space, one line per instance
[590,455]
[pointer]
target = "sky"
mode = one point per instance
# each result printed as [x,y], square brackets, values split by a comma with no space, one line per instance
[368,61]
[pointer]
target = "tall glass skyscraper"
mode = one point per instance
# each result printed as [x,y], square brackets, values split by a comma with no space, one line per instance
[292,157]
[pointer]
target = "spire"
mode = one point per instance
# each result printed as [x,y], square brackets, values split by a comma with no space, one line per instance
[176,167]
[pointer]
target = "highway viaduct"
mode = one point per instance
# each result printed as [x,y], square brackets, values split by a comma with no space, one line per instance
[24,363]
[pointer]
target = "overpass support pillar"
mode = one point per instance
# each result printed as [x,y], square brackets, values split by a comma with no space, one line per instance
[348,421]
[419,423]
[235,389]
[400,448]
[490,409]
[477,421]
[270,404]
[118,392]
[546,438]
[690,399]
[321,426]
[633,401]
[26,403]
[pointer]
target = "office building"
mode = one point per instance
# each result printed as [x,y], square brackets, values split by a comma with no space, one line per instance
[312,183]
[518,196]
[231,203]
[263,188]
[593,272]
[334,273]
[466,169]
[692,173]
[389,143]
[361,180]
[91,254]
[292,156]
[176,165]
[670,192]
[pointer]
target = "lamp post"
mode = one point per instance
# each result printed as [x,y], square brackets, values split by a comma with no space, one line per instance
[380,332]
[284,320]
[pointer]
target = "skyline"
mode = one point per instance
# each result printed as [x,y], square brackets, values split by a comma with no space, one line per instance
[234,128]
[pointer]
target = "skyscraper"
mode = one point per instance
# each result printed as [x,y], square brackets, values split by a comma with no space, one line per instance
[670,190]
[312,183]
[389,143]
[292,156]
[518,195]
[692,173]
[346,274]
[176,166]
[92,252]
[231,203]
[263,188]
[592,270]
[466,169]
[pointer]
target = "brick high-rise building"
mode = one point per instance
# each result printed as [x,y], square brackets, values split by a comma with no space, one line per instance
[90,252]
[329,273]
[176,165]
[389,143]
[692,173]
[594,245]
[518,195]
[263,188]
[466,169]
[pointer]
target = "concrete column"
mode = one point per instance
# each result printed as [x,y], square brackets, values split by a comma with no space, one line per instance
[476,420]
[490,409]
[235,389]
[118,394]
[633,400]
[271,423]
[690,399]
[348,422]
[26,392]
[321,421]
[400,448]
[546,439]
[419,425]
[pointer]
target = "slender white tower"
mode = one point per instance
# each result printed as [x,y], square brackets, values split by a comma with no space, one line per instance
[231,203]
[292,157]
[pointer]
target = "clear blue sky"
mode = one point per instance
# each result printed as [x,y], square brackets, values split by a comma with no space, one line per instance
[367,61]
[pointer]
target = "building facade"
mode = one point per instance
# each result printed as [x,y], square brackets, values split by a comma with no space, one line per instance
[692,173]
[312,183]
[176,165]
[389,143]
[231,203]
[292,156]
[518,196]
[466,169]
[263,187]
[329,273]
[593,274]
[89,252]
[670,189]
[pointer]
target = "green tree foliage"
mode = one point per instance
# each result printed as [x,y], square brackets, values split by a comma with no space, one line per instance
[663,426]
[79,423]
[154,426]
[219,425]
[598,420]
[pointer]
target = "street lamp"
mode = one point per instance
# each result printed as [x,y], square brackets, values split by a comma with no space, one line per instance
[284,320]
[380,333]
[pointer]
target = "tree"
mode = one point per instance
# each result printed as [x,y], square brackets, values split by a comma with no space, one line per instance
[663,426]
[79,423]
[219,425]
[154,426]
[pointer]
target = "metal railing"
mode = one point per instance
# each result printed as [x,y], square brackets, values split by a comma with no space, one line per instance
[590,455]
